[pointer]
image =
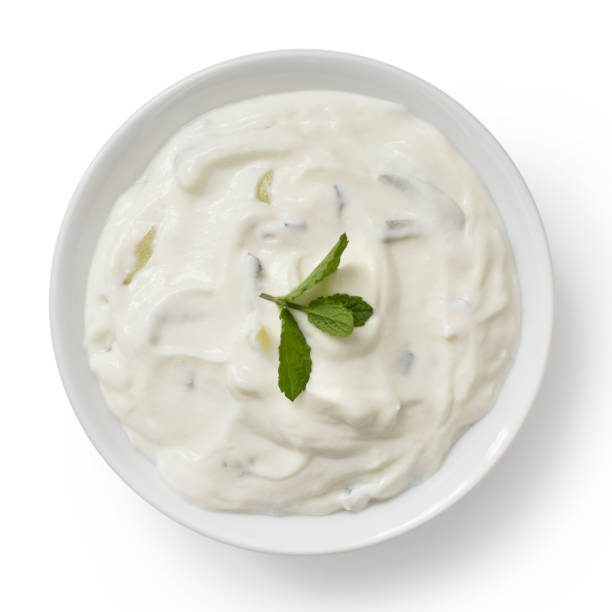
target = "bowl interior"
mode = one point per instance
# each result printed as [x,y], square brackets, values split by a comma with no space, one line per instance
[124,158]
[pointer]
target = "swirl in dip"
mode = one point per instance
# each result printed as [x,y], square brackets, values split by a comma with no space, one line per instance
[249,198]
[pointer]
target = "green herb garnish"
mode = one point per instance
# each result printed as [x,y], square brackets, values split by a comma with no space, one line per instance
[328,265]
[336,315]
[294,363]
[359,308]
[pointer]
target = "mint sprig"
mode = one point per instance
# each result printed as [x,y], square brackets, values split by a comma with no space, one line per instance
[336,315]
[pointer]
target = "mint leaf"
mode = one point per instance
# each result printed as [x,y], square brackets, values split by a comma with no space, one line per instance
[360,309]
[328,265]
[294,363]
[333,319]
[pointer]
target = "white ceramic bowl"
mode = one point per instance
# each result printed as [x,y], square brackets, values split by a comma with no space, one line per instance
[122,160]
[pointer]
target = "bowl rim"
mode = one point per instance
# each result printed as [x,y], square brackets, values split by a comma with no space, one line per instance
[62,359]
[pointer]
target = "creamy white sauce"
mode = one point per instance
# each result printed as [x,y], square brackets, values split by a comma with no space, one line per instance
[186,352]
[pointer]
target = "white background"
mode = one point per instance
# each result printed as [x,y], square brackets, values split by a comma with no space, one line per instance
[535,535]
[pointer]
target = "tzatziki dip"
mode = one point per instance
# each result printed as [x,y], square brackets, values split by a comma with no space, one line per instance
[247,199]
